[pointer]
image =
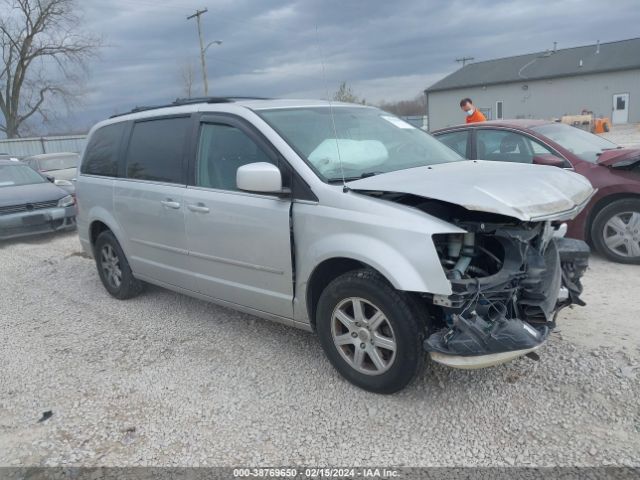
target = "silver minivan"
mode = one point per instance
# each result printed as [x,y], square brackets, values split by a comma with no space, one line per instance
[339,219]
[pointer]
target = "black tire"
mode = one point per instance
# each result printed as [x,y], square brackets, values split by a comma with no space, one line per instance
[128,286]
[599,230]
[403,320]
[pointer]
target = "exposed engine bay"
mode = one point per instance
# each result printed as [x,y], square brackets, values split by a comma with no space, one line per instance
[509,280]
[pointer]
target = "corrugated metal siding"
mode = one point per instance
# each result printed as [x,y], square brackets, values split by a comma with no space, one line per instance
[23,147]
[544,99]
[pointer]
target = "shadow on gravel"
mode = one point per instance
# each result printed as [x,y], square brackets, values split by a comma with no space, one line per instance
[37,239]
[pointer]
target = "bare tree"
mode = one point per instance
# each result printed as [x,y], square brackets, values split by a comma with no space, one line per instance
[345,94]
[416,106]
[187,79]
[43,58]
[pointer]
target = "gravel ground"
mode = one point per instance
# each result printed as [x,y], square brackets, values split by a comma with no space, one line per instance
[164,379]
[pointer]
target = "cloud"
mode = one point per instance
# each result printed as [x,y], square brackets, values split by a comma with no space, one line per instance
[291,48]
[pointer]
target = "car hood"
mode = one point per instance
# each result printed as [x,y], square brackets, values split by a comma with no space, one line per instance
[525,192]
[39,192]
[66,174]
[619,158]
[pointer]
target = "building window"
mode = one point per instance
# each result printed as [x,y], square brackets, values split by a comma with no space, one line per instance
[499,110]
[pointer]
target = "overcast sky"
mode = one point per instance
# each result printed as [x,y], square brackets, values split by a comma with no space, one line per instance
[385,50]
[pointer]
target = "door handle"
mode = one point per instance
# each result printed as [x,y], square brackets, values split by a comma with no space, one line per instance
[170,203]
[200,207]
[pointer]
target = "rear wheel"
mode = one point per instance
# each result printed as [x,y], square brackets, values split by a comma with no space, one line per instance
[616,231]
[370,332]
[114,269]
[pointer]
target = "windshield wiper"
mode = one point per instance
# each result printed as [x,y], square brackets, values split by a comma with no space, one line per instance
[350,179]
[607,149]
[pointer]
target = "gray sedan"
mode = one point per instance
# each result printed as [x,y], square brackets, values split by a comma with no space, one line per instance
[62,167]
[29,204]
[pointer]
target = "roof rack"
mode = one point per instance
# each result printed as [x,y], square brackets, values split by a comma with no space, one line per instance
[187,101]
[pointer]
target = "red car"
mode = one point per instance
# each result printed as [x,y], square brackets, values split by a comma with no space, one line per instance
[611,220]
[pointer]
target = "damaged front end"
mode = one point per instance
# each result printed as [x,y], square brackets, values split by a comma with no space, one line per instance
[509,279]
[510,271]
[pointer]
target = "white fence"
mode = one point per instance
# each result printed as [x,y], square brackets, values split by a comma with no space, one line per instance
[24,147]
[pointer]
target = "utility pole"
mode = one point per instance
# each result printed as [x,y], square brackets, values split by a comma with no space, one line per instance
[203,49]
[464,60]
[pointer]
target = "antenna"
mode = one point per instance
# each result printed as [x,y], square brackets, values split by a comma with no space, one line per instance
[464,60]
[345,189]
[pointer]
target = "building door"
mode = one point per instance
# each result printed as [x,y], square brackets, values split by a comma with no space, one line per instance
[620,108]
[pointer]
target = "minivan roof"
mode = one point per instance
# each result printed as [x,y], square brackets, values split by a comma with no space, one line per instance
[253,103]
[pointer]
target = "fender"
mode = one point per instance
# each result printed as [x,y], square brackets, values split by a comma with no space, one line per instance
[392,261]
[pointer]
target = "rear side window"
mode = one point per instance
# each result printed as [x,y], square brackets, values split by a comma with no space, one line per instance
[101,155]
[156,150]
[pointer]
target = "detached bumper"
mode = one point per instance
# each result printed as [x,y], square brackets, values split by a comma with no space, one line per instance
[498,318]
[37,222]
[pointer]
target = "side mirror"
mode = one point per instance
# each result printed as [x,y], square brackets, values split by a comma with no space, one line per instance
[259,177]
[549,160]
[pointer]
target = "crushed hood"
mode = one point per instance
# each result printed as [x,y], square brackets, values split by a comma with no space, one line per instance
[526,192]
[619,158]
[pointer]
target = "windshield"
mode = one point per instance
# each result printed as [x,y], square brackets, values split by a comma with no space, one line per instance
[369,140]
[585,145]
[58,163]
[16,175]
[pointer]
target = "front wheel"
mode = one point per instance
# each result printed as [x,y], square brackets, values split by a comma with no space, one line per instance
[371,333]
[616,231]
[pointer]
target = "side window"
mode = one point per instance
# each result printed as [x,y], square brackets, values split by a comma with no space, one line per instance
[101,154]
[156,150]
[503,146]
[222,149]
[539,149]
[456,141]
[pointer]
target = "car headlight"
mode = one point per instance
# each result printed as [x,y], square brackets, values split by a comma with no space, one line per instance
[66,201]
[63,183]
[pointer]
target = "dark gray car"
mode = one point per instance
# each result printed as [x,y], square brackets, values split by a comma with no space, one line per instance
[30,204]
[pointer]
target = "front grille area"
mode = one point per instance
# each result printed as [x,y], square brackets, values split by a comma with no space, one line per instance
[27,207]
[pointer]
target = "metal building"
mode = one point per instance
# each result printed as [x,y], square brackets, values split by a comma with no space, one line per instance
[603,78]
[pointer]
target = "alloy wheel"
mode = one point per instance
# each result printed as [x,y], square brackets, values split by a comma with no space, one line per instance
[111,266]
[622,234]
[363,335]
